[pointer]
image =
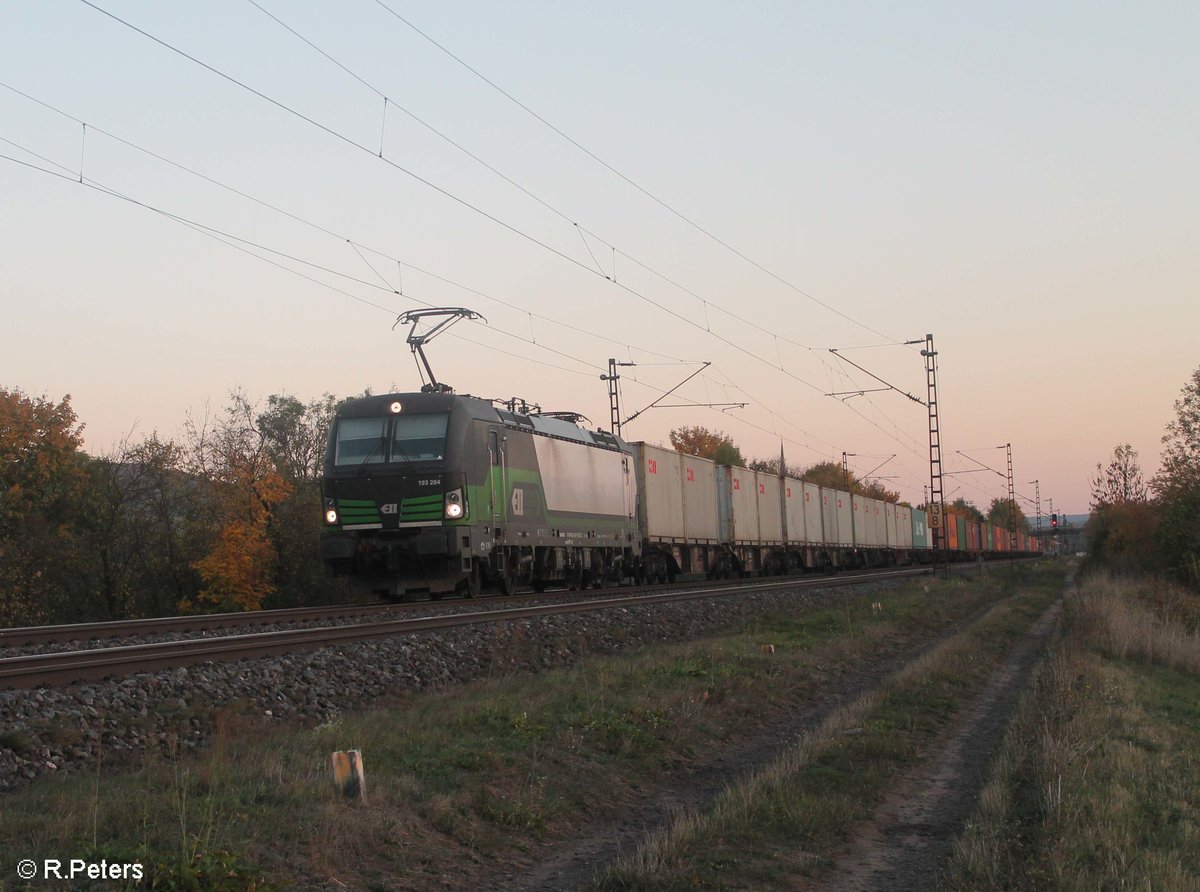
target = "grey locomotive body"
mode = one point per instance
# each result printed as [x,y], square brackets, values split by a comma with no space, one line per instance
[438,492]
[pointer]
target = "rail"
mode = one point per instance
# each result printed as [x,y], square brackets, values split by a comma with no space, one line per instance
[54,669]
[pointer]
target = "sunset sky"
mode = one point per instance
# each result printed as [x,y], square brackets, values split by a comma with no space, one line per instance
[764,181]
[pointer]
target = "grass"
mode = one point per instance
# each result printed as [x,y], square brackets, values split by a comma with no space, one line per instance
[474,775]
[1097,784]
[789,819]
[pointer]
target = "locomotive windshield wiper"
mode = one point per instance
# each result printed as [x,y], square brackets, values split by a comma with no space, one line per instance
[396,447]
[362,468]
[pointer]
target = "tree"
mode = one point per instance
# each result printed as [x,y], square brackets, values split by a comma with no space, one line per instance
[831,475]
[965,508]
[766,466]
[139,531]
[41,482]
[294,434]
[1002,511]
[825,473]
[1177,485]
[233,455]
[1122,531]
[1120,481]
[702,442]
[873,489]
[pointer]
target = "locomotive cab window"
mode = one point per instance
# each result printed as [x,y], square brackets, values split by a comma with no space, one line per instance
[419,437]
[360,441]
[399,438]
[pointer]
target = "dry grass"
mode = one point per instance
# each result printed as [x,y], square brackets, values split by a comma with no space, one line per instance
[789,817]
[1142,619]
[460,779]
[1096,785]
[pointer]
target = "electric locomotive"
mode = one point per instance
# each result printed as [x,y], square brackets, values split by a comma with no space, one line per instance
[437,492]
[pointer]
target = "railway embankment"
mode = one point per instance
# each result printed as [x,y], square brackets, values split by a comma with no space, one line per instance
[491,781]
[118,722]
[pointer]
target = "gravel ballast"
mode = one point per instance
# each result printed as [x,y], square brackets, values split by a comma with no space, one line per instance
[117,722]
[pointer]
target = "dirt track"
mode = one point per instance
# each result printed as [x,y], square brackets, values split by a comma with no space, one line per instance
[900,848]
[913,831]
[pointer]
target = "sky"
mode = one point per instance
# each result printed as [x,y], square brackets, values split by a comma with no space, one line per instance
[748,185]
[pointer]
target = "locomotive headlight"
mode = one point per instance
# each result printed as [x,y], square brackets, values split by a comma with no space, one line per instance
[331,515]
[453,503]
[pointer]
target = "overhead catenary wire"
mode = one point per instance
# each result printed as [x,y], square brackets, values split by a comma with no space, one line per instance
[244,246]
[689,221]
[632,291]
[356,245]
[443,191]
[583,231]
[227,237]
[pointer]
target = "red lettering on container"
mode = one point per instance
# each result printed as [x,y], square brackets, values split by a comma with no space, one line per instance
[652,465]
[762,489]
[789,492]
[691,475]
[737,484]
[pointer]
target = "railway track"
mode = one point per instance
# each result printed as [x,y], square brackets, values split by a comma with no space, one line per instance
[57,634]
[21,636]
[64,667]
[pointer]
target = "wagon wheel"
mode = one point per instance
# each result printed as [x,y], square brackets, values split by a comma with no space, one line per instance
[575,577]
[598,576]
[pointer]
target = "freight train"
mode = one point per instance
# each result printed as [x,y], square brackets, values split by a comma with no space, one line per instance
[435,492]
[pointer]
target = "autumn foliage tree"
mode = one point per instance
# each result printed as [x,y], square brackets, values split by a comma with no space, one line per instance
[830,474]
[41,481]
[705,443]
[233,454]
[964,507]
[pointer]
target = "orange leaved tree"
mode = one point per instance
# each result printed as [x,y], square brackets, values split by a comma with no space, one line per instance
[232,453]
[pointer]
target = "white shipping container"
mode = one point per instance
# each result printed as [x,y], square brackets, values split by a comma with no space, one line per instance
[841,503]
[830,517]
[859,534]
[904,526]
[770,507]
[793,509]
[699,485]
[662,508]
[743,505]
[876,522]
[813,521]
